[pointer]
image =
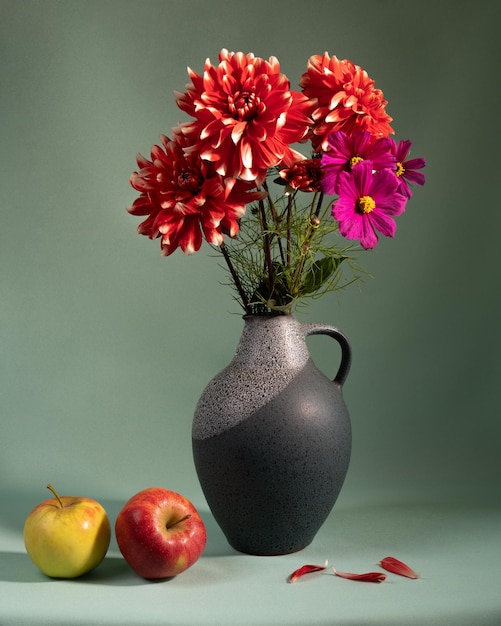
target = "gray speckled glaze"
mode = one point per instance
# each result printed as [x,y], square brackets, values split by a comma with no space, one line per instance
[272,438]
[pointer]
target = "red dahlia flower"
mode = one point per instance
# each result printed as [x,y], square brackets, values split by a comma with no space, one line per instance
[305,175]
[346,99]
[245,115]
[185,198]
[367,203]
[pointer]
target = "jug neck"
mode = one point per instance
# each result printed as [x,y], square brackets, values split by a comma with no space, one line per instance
[272,341]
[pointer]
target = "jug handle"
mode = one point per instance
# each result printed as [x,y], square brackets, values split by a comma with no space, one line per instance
[335,333]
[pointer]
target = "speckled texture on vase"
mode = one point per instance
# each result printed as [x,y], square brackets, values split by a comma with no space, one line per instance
[272,438]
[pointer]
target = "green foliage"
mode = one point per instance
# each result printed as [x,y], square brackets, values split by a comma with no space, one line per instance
[285,253]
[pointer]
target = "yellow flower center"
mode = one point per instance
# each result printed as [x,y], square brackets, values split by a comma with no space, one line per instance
[366,204]
[354,160]
[400,169]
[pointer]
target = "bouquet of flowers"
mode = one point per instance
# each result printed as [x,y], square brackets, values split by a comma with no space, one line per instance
[242,141]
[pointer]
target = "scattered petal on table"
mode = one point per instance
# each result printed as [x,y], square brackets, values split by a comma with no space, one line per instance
[369,577]
[393,565]
[306,569]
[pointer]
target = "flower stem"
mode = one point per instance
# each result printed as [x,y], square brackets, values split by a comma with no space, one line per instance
[236,279]
[267,247]
[276,222]
[288,209]
[319,204]
[313,224]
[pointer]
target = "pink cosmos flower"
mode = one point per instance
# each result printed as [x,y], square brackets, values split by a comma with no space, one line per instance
[367,203]
[245,115]
[406,170]
[346,151]
[185,199]
[346,99]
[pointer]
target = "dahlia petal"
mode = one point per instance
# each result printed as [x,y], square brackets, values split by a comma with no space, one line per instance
[213,131]
[214,186]
[140,206]
[306,569]
[190,239]
[237,132]
[334,116]
[336,99]
[139,182]
[229,83]
[391,564]
[246,154]
[210,155]
[213,236]
[166,242]
[142,161]
[370,577]
[148,228]
[351,102]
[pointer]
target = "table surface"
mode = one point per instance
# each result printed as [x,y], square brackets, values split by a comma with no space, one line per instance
[454,543]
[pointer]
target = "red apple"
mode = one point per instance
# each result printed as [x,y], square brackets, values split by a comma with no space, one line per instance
[67,536]
[160,533]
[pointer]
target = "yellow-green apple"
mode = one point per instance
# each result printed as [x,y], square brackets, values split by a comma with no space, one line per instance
[160,533]
[67,536]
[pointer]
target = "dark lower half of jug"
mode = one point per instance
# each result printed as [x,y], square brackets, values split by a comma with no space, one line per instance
[272,479]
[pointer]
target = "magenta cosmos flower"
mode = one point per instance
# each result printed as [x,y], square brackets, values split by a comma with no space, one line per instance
[185,199]
[245,115]
[367,203]
[406,169]
[346,151]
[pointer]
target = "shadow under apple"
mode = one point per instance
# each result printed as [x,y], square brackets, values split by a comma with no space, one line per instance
[17,567]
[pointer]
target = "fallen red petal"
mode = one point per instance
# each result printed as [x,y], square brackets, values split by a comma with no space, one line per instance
[306,569]
[369,577]
[393,565]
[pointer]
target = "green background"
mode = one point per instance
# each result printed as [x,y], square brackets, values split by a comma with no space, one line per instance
[105,346]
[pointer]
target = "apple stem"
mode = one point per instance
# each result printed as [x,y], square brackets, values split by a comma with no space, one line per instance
[49,486]
[183,519]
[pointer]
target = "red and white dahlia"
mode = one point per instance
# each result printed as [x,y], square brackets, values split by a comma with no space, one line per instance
[245,115]
[185,199]
[346,99]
